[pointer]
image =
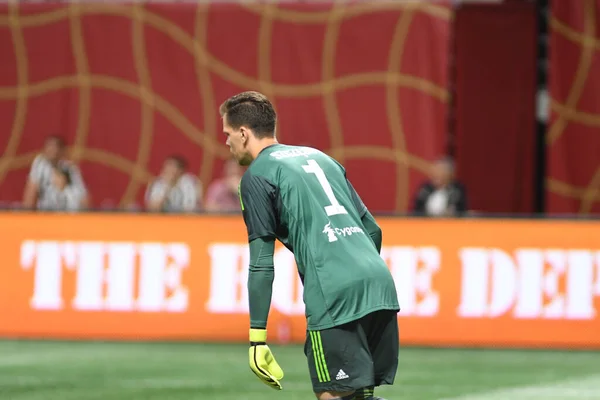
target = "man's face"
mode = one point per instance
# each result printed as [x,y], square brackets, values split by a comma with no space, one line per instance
[236,143]
[53,150]
[170,171]
[441,174]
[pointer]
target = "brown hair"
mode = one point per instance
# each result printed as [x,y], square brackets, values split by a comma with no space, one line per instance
[253,110]
[58,139]
[180,161]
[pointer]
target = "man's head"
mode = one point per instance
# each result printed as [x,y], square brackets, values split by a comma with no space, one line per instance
[54,148]
[442,172]
[173,167]
[249,124]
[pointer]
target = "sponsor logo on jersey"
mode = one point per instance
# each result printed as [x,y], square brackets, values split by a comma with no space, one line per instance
[330,233]
[333,233]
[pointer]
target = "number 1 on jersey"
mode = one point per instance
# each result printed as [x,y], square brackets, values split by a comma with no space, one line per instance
[335,207]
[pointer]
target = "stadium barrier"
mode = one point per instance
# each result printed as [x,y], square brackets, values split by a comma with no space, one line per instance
[473,282]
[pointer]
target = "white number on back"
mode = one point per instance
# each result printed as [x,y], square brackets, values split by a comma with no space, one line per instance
[334,208]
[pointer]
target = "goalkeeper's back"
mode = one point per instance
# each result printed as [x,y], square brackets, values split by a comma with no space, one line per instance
[317,214]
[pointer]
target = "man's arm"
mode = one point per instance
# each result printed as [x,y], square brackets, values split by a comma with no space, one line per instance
[76,176]
[260,281]
[30,195]
[257,197]
[421,199]
[257,202]
[373,229]
[190,187]
[156,195]
[367,219]
[78,183]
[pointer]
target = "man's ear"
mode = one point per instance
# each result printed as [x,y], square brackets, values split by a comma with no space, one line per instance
[245,134]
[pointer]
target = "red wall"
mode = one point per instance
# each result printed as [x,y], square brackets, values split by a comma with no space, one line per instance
[129,85]
[495,63]
[573,137]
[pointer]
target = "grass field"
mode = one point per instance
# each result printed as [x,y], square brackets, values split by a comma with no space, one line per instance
[144,371]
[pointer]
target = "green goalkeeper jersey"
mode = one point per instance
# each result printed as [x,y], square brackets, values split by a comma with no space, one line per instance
[300,196]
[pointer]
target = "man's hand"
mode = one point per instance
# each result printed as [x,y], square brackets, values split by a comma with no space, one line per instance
[261,360]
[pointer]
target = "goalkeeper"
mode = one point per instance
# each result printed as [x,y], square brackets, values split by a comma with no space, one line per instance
[301,197]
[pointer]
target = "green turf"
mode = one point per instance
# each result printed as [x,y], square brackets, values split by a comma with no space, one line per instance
[161,371]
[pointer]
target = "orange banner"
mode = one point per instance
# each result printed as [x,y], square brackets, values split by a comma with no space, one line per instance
[460,282]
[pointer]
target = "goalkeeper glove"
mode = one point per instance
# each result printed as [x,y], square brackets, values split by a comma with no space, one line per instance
[262,362]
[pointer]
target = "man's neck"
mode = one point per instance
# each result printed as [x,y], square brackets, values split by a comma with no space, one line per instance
[263,144]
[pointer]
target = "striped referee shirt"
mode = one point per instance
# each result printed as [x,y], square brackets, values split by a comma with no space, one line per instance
[183,196]
[41,174]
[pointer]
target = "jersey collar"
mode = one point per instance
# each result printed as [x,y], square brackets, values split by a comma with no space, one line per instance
[268,147]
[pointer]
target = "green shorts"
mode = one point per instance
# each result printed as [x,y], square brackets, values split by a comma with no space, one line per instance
[355,355]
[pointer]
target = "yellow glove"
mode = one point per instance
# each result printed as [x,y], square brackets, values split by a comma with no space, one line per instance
[261,359]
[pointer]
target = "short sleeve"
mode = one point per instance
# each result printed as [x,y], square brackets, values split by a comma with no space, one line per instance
[35,173]
[155,191]
[358,203]
[189,188]
[76,177]
[257,200]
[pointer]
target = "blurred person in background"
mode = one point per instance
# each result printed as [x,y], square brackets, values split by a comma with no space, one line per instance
[222,194]
[442,195]
[43,171]
[61,194]
[174,190]
[133,207]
